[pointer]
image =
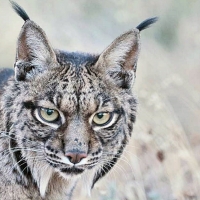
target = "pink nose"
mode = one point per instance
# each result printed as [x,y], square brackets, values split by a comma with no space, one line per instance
[75,157]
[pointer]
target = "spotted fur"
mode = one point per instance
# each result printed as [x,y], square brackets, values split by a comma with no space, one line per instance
[33,153]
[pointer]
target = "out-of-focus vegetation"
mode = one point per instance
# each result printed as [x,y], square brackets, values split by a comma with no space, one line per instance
[162,160]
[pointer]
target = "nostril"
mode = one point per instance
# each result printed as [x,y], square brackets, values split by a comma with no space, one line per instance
[75,157]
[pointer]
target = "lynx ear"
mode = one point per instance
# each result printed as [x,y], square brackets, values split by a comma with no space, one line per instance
[34,53]
[119,61]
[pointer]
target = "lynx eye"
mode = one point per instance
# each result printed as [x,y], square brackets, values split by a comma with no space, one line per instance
[48,115]
[102,118]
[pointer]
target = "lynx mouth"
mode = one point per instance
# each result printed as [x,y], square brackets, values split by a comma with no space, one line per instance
[72,170]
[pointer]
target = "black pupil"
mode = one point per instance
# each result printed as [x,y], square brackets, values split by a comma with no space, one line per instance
[49,112]
[100,115]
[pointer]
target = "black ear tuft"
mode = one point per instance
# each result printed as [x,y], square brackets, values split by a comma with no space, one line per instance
[20,11]
[147,23]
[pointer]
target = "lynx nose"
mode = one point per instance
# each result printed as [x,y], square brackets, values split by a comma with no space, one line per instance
[75,157]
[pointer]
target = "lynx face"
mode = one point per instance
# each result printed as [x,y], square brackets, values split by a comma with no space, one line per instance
[69,113]
[71,118]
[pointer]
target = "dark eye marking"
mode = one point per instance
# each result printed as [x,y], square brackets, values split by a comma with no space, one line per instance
[29,105]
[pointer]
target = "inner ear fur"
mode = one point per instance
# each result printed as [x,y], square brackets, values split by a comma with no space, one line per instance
[34,52]
[119,60]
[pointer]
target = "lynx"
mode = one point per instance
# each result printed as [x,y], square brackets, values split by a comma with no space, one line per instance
[63,114]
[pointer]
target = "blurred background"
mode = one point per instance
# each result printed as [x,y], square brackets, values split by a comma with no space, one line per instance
[162,160]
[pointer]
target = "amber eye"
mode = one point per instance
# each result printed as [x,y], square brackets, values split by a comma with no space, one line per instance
[102,118]
[48,115]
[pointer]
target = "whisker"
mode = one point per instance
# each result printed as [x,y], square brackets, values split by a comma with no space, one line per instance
[111,164]
[5,134]
[103,167]
[32,158]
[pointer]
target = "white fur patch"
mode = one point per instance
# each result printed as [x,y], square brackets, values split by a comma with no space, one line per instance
[82,162]
[64,159]
[87,181]
[44,181]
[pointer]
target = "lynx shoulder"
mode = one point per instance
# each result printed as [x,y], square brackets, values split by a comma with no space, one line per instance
[64,115]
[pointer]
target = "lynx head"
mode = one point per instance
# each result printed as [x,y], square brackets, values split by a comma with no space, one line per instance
[70,113]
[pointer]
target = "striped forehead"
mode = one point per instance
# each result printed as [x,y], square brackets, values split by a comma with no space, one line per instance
[72,86]
[71,90]
[73,103]
[79,90]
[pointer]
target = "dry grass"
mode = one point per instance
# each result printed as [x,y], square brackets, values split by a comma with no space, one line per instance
[162,160]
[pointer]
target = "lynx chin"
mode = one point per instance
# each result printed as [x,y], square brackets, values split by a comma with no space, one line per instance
[64,115]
